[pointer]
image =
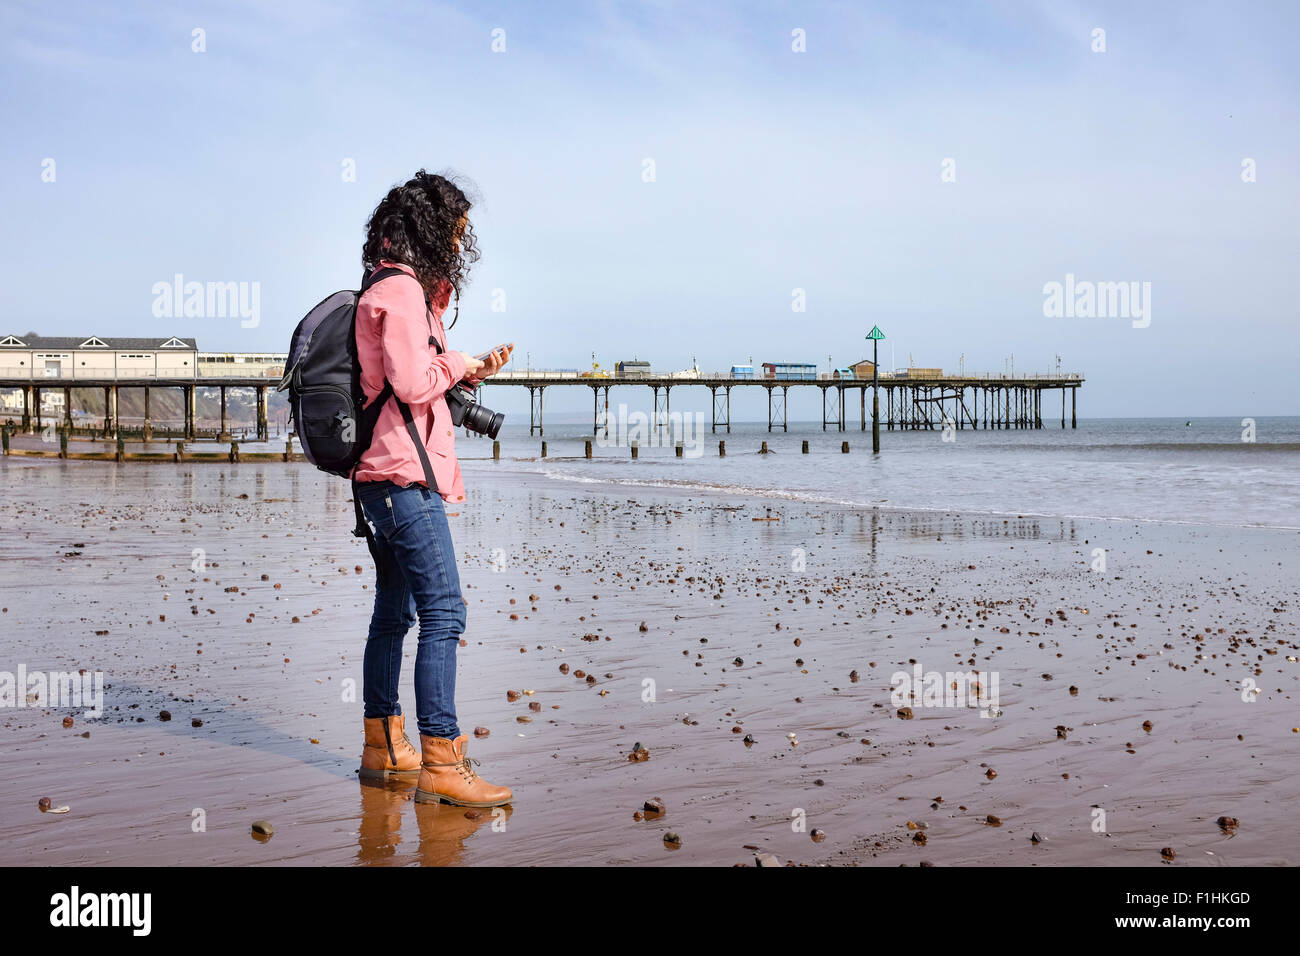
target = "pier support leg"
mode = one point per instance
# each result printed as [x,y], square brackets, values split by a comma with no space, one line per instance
[27,409]
[222,434]
[67,409]
[721,407]
[1074,421]
[535,393]
[36,404]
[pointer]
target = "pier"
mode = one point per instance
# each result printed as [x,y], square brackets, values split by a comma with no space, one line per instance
[910,402]
[189,386]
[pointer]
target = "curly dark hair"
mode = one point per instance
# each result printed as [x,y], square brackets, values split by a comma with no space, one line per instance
[416,224]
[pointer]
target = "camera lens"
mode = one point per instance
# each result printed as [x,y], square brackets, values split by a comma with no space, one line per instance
[483,420]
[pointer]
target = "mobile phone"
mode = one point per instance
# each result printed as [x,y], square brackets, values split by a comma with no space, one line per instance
[500,348]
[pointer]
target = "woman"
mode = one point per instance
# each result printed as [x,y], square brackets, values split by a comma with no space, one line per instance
[421,228]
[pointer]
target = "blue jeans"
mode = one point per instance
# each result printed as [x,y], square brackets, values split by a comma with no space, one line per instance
[415,579]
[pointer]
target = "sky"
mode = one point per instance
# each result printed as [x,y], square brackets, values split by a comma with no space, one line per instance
[686,183]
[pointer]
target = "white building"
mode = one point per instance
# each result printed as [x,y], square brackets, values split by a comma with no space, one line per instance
[44,358]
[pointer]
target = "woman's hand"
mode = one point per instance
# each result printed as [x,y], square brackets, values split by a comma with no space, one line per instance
[472,365]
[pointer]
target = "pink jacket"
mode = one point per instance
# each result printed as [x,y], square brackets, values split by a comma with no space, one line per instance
[393,342]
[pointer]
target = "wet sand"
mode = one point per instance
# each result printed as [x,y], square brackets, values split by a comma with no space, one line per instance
[95,573]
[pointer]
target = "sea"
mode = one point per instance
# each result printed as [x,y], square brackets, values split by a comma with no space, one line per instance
[1230,472]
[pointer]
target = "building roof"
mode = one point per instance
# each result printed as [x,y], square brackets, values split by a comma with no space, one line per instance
[70,342]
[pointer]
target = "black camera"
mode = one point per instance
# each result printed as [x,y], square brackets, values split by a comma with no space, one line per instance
[470,414]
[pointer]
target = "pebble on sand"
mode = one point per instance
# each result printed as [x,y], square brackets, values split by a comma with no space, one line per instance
[263,828]
[67,721]
[164,715]
[1168,853]
[905,713]
[43,804]
[655,805]
[671,839]
[481,731]
[1228,823]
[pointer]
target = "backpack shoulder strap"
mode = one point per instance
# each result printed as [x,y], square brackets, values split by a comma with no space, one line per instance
[379,275]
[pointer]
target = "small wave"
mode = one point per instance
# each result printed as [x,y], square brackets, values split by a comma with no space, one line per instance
[883,504]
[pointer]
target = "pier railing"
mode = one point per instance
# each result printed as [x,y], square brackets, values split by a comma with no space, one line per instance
[272,374]
[50,376]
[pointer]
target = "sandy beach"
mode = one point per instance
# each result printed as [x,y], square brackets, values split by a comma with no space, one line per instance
[752,659]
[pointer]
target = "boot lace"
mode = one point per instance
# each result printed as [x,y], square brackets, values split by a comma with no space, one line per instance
[466,770]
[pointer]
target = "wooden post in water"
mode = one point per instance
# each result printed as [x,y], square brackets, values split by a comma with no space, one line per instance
[587,448]
[179,455]
[635,449]
[288,448]
[234,452]
[63,442]
[875,336]
[543,449]
[844,447]
[496,449]
[121,447]
[804,448]
[677,449]
[722,449]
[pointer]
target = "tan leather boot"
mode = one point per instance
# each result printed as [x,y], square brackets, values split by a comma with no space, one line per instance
[387,750]
[447,775]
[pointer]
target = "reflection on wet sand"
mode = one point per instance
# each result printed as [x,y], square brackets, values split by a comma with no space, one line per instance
[387,805]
